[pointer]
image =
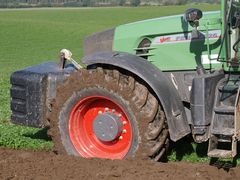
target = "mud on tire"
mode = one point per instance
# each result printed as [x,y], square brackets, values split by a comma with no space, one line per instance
[149,127]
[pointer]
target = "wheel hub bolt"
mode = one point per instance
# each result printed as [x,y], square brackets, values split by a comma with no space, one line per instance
[124,131]
[120,137]
[124,122]
[99,112]
[106,109]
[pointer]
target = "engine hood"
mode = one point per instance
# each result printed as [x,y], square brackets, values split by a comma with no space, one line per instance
[128,36]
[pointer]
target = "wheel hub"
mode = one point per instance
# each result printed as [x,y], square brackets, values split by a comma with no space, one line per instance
[107,126]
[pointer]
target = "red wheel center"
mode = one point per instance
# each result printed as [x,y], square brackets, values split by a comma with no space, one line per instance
[99,127]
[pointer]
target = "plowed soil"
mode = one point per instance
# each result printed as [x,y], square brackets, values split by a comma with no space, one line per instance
[18,164]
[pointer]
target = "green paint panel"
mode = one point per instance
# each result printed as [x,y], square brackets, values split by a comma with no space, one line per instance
[180,57]
[171,47]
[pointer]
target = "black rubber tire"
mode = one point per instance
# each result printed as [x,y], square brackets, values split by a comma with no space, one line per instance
[151,137]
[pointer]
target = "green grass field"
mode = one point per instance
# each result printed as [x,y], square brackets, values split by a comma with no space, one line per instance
[31,36]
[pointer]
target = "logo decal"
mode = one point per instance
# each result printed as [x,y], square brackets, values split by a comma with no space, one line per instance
[182,38]
[165,39]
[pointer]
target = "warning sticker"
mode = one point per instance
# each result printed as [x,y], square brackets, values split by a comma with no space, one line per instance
[213,59]
[182,38]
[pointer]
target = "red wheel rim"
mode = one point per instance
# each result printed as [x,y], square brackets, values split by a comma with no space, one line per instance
[82,133]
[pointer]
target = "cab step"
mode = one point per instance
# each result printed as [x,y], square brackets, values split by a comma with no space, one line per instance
[222,146]
[223,134]
[220,153]
[224,109]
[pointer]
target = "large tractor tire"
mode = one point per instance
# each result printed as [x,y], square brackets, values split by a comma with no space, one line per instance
[107,113]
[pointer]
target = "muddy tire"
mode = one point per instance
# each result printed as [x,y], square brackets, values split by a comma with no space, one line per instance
[90,96]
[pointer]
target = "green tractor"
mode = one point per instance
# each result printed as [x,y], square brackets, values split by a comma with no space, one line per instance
[143,85]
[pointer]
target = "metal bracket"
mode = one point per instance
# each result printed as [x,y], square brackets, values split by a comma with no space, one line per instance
[67,55]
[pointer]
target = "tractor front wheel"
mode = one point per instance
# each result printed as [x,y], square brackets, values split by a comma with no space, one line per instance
[105,113]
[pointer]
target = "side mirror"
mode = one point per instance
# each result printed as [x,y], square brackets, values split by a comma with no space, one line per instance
[192,16]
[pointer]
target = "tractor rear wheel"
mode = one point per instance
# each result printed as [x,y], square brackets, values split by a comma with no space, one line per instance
[106,113]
